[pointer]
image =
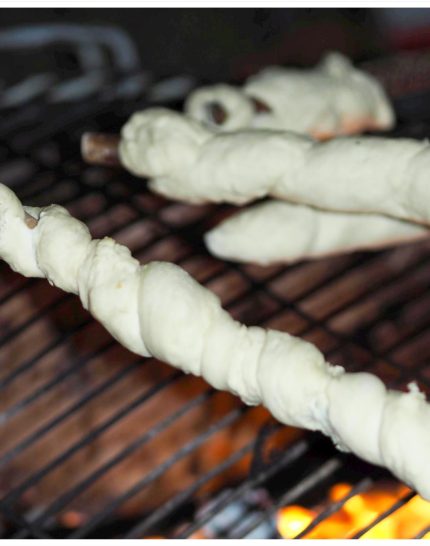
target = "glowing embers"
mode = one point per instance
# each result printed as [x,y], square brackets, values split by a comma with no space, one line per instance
[293,519]
[357,514]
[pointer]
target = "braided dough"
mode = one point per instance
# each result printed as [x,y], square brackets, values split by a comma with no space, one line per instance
[331,99]
[277,231]
[158,309]
[192,163]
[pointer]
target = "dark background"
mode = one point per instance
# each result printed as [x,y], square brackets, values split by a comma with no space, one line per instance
[231,43]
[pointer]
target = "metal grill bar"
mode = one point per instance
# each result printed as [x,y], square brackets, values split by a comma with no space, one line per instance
[22,522]
[28,283]
[401,502]
[291,455]
[39,433]
[14,410]
[361,487]
[140,441]
[17,491]
[324,471]
[27,365]
[44,311]
[175,502]
[180,453]
[422,533]
[190,232]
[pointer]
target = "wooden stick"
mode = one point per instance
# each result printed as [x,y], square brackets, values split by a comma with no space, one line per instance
[219,115]
[100,149]
[216,112]
[30,221]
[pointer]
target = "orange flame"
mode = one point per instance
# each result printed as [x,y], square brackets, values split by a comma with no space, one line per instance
[292,520]
[358,512]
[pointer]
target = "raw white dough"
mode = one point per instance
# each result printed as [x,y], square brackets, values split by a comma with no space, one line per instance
[331,99]
[277,231]
[158,309]
[189,162]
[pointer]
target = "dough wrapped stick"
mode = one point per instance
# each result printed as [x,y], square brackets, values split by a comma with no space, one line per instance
[158,309]
[334,98]
[277,231]
[190,162]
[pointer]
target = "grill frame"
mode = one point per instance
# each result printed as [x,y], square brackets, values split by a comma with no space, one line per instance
[20,139]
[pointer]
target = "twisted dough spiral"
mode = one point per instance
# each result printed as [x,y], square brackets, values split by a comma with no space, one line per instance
[192,163]
[158,309]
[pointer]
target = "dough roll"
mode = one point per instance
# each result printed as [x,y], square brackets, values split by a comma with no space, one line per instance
[189,162]
[158,309]
[276,231]
[334,98]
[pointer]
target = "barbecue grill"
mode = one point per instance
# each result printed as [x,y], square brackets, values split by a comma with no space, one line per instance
[99,443]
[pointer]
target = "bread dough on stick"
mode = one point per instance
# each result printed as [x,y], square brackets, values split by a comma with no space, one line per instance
[192,163]
[158,309]
[276,231]
[334,98]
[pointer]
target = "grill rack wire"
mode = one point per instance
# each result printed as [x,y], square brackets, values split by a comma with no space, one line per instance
[45,138]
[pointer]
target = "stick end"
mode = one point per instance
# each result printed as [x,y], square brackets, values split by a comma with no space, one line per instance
[100,149]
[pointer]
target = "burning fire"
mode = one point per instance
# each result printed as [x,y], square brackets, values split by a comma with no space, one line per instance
[358,512]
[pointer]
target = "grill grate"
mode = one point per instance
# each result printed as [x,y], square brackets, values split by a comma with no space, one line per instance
[66,386]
